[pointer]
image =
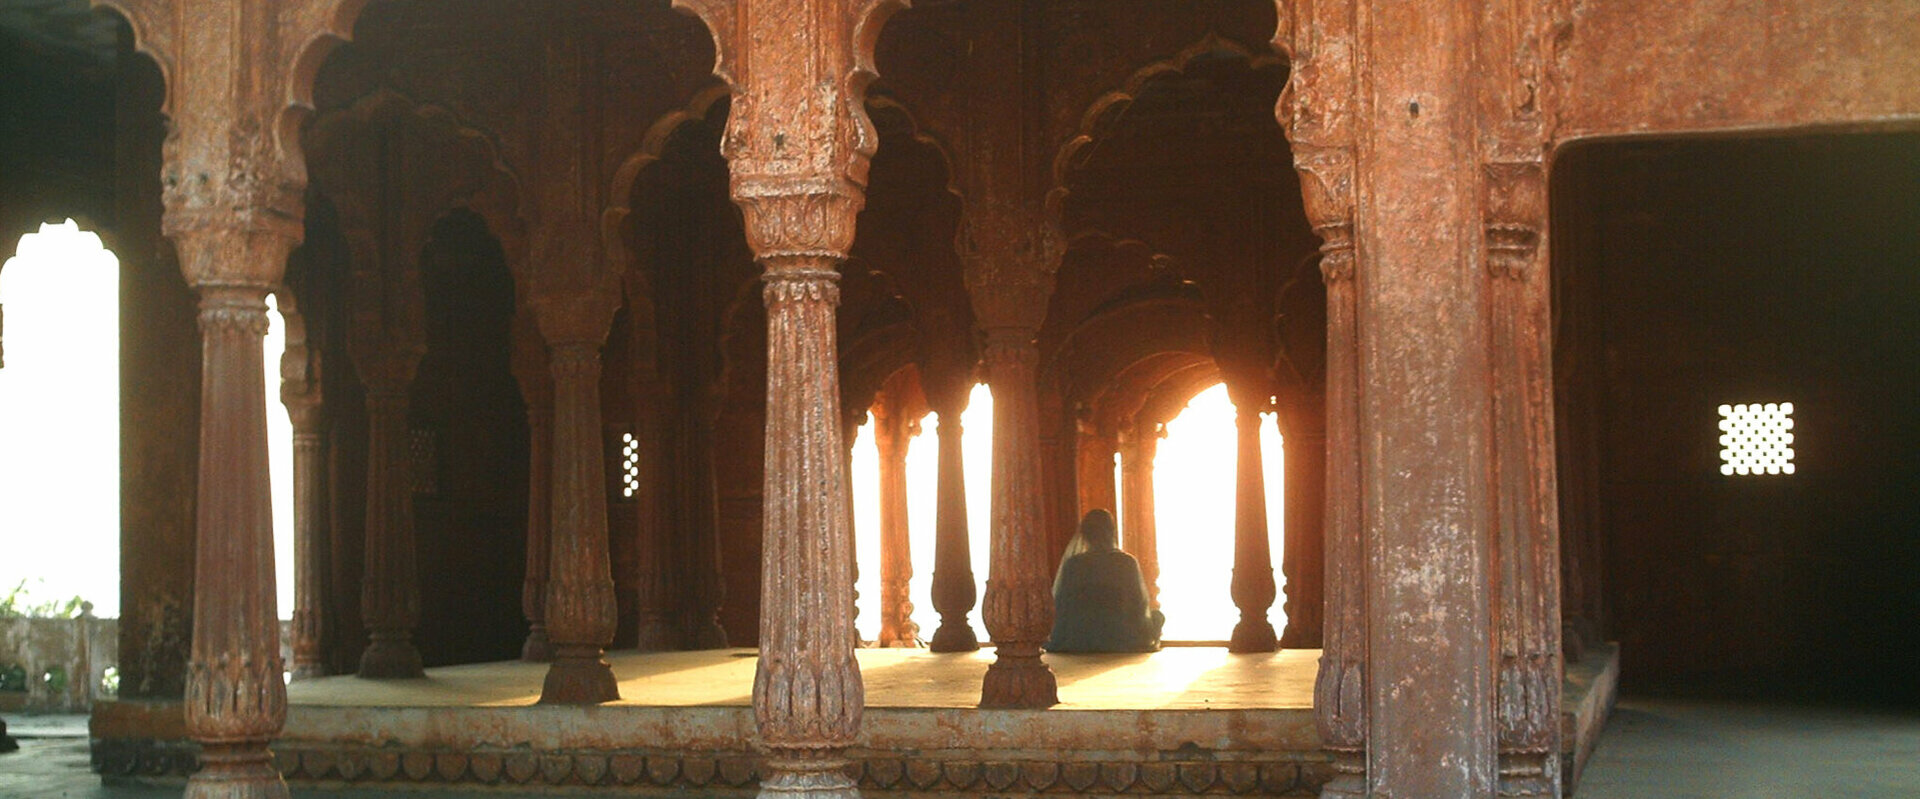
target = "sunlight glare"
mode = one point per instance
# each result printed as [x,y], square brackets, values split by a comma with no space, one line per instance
[60,419]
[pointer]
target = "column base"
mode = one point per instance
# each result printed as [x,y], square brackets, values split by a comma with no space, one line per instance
[1253,635]
[392,658]
[537,649]
[1019,680]
[236,771]
[1529,774]
[954,637]
[807,774]
[1349,776]
[576,679]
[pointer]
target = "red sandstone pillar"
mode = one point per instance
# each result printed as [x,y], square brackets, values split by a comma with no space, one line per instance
[389,587]
[300,392]
[531,370]
[235,699]
[892,429]
[1302,558]
[581,613]
[1095,450]
[808,695]
[1253,588]
[1019,604]
[799,147]
[953,581]
[1137,523]
[1425,393]
[1527,550]
[1340,686]
[653,585]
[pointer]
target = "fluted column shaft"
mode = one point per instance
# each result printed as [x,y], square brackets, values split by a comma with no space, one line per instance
[953,581]
[1253,587]
[1019,604]
[1137,523]
[1525,495]
[658,631]
[1340,686]
[891,433]
[390,587]
[309,466]
[808,696]
[538,647]
[1095,449]
[580,605]
[1302,557]
[236,701]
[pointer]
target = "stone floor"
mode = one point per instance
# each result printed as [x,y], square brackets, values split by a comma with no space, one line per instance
[1724,750]
[1176,678]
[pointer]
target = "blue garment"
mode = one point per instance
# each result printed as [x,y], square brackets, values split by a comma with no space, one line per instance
[1100,605]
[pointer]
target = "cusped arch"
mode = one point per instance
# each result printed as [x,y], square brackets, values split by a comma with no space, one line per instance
[326,26]
[1086,133]
[152,37]
[493,195]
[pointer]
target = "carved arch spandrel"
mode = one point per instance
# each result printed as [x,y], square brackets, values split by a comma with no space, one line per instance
[847,151]
[1086,133]
[155,31]
[487,186]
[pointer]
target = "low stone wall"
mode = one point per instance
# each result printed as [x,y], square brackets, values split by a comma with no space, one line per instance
[56,665]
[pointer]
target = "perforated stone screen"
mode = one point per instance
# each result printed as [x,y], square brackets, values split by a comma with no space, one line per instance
[629,465]
[1756,439]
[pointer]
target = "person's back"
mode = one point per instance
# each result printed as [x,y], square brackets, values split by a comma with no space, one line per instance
[1099,597]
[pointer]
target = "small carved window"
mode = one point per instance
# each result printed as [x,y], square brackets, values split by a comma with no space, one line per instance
[629,465]
[1756,439]
[423,455]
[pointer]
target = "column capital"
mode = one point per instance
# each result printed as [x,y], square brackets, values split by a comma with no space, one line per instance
[234,254]
[574,316]
[1010,254]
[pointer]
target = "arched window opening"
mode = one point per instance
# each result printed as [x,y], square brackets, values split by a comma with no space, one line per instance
[60,421]
[923,472]
[1193,487]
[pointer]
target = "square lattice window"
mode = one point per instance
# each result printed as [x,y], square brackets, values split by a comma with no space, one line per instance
[1756,439]
[629,465]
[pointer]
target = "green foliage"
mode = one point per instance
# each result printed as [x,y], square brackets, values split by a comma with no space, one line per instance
[18,603]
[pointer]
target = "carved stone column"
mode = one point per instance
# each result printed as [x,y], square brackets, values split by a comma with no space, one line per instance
[1253,587]
[697,500]
[1019,604]
[300,393]
[534,374]
[1340,686]
[1138,445]
[892,429]
[953,581]
[1527,550]
[658,631]
[235,700]
[1095,449]
[1302,559]
[807,693]
[389,587]
[581,613]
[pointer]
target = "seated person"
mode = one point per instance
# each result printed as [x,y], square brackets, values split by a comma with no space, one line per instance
[1099,597]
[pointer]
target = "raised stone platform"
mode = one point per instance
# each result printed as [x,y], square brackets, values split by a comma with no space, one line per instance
[1180,721]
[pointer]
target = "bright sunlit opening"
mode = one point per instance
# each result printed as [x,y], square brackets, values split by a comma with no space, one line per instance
[923,492]
[1194,478]
[1193,494]
[60,419]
